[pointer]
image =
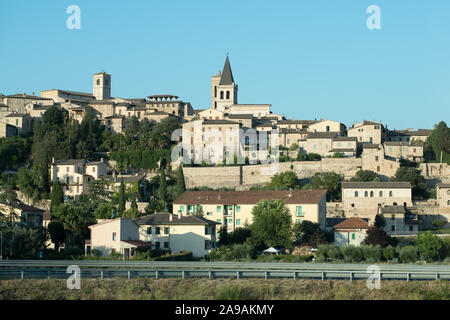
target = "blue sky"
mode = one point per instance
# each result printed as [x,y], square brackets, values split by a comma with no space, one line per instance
[310,59]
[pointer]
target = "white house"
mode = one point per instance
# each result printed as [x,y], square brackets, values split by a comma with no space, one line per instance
[351,231]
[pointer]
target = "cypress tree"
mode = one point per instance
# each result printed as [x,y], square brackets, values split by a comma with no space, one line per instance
[122,198]
[57,195]
[162,191]
[180,186]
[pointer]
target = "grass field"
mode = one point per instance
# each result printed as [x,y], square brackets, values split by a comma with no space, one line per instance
[223,289]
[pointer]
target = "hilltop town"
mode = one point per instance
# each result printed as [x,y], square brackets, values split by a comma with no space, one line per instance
[115,176]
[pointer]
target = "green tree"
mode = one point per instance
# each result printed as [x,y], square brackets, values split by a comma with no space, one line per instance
[57,233]
[56,196]
[376,236]
[162,190]
[122,197]
[305,230]
[409,174]
[180,185]
[439,141]
[365,176]
[272,224]
[380,221]
[224,236]
[294,147]
[329,181]
[429,246]
[283,181]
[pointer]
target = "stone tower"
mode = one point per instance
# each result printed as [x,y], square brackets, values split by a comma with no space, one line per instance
[102,86]
[224,90]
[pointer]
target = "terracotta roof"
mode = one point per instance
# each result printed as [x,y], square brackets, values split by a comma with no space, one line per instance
[380,185]
[163,218]
[250,197]
[352,223]
[137,243]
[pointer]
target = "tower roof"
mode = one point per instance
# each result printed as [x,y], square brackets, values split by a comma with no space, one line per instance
[227,75]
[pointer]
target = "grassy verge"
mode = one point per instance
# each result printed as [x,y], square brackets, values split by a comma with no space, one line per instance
[223,289]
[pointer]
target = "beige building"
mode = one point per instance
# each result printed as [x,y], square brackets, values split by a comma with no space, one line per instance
[114,124]
[374,159]
[328,126]
[178,233]
[102,86]
[400,221]
[18,102]
[367,198]
[234,208]
[351,231]
[169,104]
[404,150]
[75,175]
[328,143]
[29,216]
[21,121]
[65,96]
[119,235]
[367,132]
[443,196]
[7,130]
[224,91]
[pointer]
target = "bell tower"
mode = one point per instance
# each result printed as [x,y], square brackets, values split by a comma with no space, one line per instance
[224,89]
[102,86]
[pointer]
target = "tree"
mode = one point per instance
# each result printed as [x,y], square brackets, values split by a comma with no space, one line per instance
[122,197]
[57,233]
[180,185]
[56,196]
[309,232]
[376,236]
[272,224]
[283,181]
[439,141]
[429,245]
[155,206]
[224,236]
[294,147]
[104,210]
[365,176]
[380,221]
[240,235]
[330,181]
[409,174]
[162,190]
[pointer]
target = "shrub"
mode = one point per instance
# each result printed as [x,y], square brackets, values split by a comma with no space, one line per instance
[328,252]
[389,253]
[408,254]
[352,253]
[243,251]
[334,253]
[184,256]
[372,253]
[232,292]
[439,223]
[429,245]
[96,253]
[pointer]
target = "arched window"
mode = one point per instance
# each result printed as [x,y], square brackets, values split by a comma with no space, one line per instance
[448,202]
[395,203]
[221,94]
[380,193]
[366,194]
[390,193]
[98,82]
[371,194]
[356,194]
[228,95]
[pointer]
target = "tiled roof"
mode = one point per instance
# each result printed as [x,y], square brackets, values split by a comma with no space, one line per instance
[163,218]
[393,209]
[223,121]
[379,185]
[239,116]
[227,76]
[331,222]
[308,122]
[250,197]
[370,146]
[352,223]
[322,135]
[25,96]
[69,162]
[137,243]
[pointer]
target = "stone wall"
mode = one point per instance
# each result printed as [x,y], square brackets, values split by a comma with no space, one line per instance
[435,170]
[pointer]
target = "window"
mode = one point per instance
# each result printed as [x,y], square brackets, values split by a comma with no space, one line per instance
[219,221]
[228,95]
[410,228]
[393,217]
[219,208]
[371,194]
[394,204]
[221,94]
[366,194]
[238,222]
[206,230]
[448,202]
[328,128]
[376,158]
[298,221]
[298,211]
[166,230]
[182,208]
[209,213]
[390,193]
[380,193]
[114,236]
[206,244]
[230,220]
[353,236]
[157,245]
[238,208]
[230,208]
[392,228]
[67,169]
[166,245]
[98,82]
[356,194]
[353,205]
[149,230]
[157,230]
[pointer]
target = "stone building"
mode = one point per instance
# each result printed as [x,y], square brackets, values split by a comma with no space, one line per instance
[351,231]
[224,89]
[443,196]
[21,121]
[102,86]
[367,132]
[328,126]
[18,102]
[234,208]
[412,151]
[400,221]
[367,198]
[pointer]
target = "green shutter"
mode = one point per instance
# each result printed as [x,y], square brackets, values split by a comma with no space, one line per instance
[182,208]
[353,236]
[238,208]
[218,209]
[238,222]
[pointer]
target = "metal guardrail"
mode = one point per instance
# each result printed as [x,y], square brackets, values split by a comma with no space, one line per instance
[214,274]
[41,269]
